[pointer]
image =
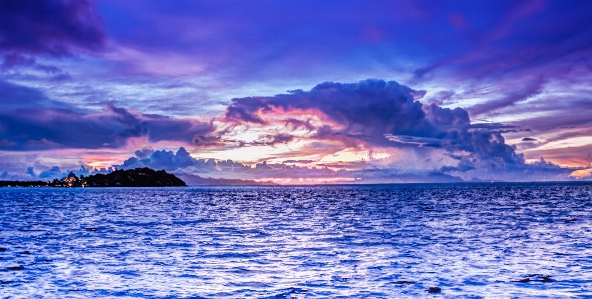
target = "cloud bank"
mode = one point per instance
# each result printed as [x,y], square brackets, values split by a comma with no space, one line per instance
[385,114]
[370,114]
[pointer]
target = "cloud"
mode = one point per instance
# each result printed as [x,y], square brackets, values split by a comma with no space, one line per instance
[53,128]
[526,90]
[54,28]
[368,109]
[468,169]
[162,159]
[565,154]
[298,161]
[530,56]
[51,173]
[582,173]
[13,96]
[182,162]
[492,170]
[143,153]
[519,41]
[173,161]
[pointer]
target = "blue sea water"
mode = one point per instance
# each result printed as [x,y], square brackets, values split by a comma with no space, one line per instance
[383,241]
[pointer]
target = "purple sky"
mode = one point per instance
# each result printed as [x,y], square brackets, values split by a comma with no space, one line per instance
[298,92]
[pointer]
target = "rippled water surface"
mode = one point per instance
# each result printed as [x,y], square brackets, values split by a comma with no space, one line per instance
[392,241]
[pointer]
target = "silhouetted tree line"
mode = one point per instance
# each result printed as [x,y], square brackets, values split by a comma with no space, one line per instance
[139,177]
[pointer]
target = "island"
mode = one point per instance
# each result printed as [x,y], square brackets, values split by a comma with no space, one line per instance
[139,177]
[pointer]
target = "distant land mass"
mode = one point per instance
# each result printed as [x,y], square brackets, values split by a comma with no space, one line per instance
[195,180]
[139,177]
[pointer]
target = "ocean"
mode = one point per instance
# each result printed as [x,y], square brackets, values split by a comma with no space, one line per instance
[500,240]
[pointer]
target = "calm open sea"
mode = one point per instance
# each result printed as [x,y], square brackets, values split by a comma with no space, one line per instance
[383,241]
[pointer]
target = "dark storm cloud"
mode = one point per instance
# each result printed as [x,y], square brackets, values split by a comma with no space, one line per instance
[47,27]
[382,113]
[369,108]
[50,128]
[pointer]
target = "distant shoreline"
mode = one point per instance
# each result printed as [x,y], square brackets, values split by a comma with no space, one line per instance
[27,184]
[42,184]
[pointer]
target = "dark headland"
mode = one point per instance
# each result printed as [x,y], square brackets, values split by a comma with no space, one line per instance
[139,177]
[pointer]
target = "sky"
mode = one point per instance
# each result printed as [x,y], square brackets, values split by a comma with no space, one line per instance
[298,92]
